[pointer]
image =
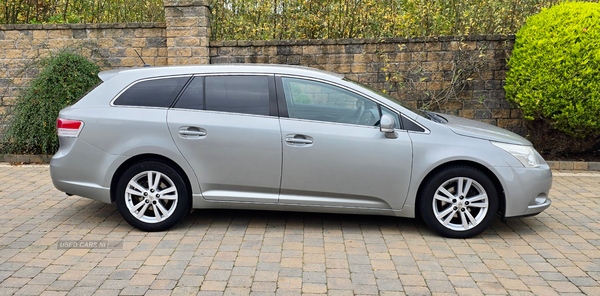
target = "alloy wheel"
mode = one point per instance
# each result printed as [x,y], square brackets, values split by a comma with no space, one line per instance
[460,204]
[151,197]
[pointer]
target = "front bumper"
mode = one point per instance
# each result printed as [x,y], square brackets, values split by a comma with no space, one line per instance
[526,190]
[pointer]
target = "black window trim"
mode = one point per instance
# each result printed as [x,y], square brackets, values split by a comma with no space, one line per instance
[273,110]
[149,79]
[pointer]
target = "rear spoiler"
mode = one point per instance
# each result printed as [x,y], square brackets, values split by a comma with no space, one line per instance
[108,74]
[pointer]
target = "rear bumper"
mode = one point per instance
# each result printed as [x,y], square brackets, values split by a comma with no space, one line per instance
[526,190]
[79,168]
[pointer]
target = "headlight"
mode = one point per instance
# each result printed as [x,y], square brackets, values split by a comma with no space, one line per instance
[525,154]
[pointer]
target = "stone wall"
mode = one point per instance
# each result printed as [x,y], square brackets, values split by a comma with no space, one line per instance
[113,45]
[183,39]
[428,62]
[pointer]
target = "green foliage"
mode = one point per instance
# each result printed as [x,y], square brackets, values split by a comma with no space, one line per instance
[554,72]
[299,19]
[317,19]
[63,79]
[80,11]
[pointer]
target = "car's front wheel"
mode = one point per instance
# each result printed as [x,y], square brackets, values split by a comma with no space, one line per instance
[152,196]
[459,202]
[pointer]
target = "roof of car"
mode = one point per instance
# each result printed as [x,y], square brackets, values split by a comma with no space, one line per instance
[146,72]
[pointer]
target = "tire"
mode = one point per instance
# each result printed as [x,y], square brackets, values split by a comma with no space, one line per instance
[456,215]
[155,207]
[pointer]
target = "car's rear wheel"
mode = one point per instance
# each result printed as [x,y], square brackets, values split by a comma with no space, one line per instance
[459,202]
[152,196]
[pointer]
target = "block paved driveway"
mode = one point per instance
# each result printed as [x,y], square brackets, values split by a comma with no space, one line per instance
[248,252]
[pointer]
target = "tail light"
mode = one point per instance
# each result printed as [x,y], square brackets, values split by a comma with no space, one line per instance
[68,128]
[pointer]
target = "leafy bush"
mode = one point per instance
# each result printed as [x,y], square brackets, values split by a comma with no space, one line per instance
[63,79]
[554,76]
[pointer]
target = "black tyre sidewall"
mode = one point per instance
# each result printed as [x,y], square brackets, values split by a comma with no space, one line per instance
[183,202]
[433,183]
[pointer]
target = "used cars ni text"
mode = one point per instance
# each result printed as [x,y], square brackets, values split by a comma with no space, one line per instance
[161,141]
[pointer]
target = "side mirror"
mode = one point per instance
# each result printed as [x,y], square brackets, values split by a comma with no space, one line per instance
[387,124]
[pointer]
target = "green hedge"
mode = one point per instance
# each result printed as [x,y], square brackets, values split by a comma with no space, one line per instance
[318,19]
[64,77]
[299,19]
[554,75]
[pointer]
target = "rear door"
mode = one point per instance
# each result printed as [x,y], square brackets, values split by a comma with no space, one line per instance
[334,153]
[226,127]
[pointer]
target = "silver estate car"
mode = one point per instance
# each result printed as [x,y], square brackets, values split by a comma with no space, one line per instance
[161,141]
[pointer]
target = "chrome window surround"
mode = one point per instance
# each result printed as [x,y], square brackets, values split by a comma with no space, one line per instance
[366,96]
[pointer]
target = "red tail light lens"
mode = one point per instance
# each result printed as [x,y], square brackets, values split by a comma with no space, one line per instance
[68,128]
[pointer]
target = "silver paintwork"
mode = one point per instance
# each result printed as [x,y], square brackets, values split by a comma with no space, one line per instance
[250,144]
[265,162]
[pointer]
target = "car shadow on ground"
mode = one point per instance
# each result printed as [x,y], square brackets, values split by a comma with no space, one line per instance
[91,214]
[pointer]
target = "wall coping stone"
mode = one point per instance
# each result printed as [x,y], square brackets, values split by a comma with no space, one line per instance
[291,42]
[79,26]
[183,3]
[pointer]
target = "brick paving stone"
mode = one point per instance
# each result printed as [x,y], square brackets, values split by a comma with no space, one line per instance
[219,252]
[31,289]
[264,286]
[134,290]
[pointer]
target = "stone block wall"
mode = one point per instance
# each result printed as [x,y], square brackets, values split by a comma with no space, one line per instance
[113,45]
[182,39]
[188,31]
[377,62]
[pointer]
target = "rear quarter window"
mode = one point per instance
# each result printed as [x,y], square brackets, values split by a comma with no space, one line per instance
[158,92]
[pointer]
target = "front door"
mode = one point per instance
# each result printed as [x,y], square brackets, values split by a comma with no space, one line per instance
[227,129]
[333,152]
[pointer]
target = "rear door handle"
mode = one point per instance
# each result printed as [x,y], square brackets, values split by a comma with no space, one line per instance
[192,133]
[298,141]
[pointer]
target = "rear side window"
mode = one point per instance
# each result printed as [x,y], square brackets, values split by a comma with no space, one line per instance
[237,94]
[152,93]
[193,95]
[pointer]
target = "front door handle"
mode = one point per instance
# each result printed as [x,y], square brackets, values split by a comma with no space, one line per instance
[298,141]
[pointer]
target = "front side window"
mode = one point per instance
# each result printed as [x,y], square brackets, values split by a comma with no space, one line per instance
[152,93]
[311,100]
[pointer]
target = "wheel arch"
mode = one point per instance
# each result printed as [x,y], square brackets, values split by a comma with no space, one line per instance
[478,166]
[143,157]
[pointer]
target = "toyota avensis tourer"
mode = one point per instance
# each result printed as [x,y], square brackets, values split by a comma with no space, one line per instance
[161,141]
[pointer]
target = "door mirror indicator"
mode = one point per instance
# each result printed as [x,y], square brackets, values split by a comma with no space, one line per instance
[387,125]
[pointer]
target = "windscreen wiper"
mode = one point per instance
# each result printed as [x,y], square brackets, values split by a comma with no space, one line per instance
[434,117]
